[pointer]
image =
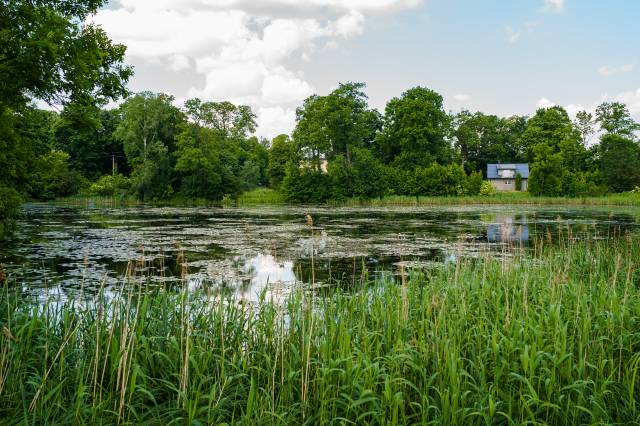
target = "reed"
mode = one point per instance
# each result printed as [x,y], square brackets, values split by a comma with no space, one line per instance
[547,339]
[626,199]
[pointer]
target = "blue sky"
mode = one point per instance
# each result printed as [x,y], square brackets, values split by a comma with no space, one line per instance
[501,57]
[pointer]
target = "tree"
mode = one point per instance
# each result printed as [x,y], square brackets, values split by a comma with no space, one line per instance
[148,128]
[332,125]
[415,129]
[281,152]
[547,172]
[585,124]
[481,139]
[614,118]
[48,51]
[620,162]
[93,148]
[232,121]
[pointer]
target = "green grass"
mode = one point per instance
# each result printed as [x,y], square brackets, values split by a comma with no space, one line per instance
[521,198]
[553,339]
[260,196]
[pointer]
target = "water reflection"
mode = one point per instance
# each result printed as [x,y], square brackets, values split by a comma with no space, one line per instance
[508,229]
[247,251]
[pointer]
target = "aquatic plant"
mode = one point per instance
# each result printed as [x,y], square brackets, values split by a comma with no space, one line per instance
[547,339]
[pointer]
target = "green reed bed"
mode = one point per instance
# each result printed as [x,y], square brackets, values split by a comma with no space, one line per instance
[521,198]
[553,339]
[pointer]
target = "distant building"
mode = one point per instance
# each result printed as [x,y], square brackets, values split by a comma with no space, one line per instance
[503,176]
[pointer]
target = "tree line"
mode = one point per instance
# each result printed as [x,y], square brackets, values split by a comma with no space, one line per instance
[341,147]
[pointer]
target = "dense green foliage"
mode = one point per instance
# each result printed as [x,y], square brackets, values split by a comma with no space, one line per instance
[49,52]
[340,148]
[549,341]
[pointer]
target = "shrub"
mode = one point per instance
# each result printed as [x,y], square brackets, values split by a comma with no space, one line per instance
[109,185]
[486,189]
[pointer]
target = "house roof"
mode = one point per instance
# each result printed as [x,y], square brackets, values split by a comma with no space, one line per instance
[521,168]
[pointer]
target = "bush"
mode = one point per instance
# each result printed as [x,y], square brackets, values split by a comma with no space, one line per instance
[487,189]
[9,205]
[110,186]
[305,186]
[53,178]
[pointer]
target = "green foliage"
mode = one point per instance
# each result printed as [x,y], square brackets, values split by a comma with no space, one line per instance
[474,183]
[53,178]
[487,189]
[304,185]
[50,51]
[110,185]
[148,129]
[281,152]
[549,340]
[482,139]
[518,182]
[614,118]
[89,138]
[332,125]
[415,127]
[9,206]
[619,162]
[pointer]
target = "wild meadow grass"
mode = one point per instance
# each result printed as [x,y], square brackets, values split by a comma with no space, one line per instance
[552,338]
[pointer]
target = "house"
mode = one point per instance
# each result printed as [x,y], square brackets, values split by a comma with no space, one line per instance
[503,176]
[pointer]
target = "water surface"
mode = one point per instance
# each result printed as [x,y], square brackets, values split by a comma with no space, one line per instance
[60,249]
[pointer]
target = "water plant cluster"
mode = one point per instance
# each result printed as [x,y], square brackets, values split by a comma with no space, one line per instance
[551,338]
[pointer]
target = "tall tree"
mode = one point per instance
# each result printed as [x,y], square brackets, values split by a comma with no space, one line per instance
[620,162]
[49,52]
[232,121]
[327,126]
[615,118]
[281,152]
[415,129]
[148,128]
[586,125]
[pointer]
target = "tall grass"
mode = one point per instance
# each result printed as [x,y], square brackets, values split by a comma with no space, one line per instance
[552,339]
[521,198]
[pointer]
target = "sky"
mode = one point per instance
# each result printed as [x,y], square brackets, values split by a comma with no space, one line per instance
[495,56]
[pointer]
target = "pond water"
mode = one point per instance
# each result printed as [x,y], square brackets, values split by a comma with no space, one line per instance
[59,249]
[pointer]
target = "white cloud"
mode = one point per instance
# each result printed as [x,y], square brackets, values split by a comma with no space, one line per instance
[272,121]
[243,50]
[632,100]
[555,6]
[609,71]
[461,97]
[544,103]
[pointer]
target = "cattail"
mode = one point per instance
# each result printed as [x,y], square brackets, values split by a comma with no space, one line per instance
[3,275]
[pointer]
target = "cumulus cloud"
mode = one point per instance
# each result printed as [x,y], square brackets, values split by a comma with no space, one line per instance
[630,98]
[609,71]
[242,49]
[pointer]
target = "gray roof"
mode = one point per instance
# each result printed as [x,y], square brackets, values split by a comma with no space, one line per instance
[521,168]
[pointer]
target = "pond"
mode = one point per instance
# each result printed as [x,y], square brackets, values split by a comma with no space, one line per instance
[56,250]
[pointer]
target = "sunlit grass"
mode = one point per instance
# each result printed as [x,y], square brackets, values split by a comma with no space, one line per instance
[549,340]
[260,196]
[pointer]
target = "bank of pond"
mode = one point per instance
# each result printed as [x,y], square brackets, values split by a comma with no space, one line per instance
[547,338]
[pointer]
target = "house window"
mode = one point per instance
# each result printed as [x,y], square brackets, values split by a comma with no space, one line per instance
[507,182]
